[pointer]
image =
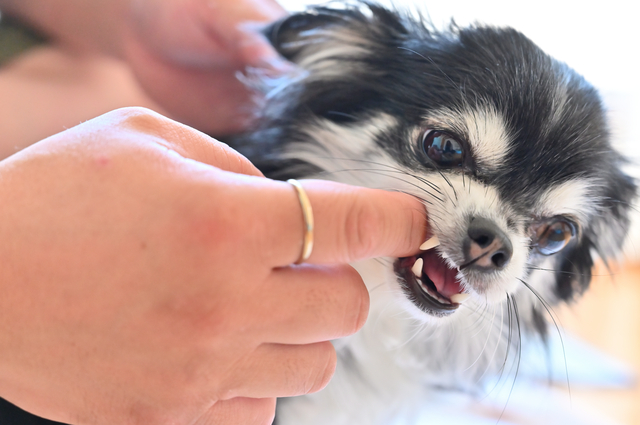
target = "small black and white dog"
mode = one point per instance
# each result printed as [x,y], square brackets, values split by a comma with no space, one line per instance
[507,148]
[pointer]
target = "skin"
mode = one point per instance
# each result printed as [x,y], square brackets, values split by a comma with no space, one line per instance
[185,54]
[147,276]
[146,272]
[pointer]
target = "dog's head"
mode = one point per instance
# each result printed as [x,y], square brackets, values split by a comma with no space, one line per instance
[507,148]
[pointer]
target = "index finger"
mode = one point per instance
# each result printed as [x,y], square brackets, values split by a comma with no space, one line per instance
[354,223]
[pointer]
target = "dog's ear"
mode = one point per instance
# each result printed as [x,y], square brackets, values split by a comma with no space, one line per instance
[604,238]
[574,272]
[334,32]
[342,53]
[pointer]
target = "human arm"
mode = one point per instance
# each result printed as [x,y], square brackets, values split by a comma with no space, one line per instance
[146,276]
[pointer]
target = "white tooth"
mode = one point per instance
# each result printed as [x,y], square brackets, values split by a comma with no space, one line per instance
[459,298]
[431,243]
[417,267]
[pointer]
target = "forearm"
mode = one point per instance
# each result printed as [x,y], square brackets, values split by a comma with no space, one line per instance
[95,25]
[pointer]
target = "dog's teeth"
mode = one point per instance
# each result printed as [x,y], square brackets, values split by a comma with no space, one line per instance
[435,295]
[417,267]
[459,298]
[431,243]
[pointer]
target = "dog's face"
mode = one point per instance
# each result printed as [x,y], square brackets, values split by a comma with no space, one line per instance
[507,148]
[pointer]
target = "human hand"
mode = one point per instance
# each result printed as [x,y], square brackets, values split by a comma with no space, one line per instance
[186,54]
[146,276]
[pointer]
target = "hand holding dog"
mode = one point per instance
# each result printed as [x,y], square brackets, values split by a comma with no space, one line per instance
[146,276]
[184,53]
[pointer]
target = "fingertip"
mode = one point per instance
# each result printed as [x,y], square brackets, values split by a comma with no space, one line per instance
[326,369]
[256,51]
[418,226]
[357,313]
[354,223]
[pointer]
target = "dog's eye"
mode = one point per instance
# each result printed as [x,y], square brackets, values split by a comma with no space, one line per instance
[553,236]
[442,148]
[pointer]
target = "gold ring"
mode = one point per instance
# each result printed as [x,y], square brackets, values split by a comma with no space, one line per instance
[307,215]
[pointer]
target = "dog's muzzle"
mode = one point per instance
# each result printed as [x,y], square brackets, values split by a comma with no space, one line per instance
[486,248]
[435,287]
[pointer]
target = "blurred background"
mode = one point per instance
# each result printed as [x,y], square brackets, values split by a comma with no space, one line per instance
[595,358]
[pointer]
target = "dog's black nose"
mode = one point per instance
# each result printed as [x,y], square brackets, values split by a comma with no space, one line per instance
[486,247]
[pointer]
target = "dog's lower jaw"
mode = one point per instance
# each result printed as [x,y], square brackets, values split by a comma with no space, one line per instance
[401,358]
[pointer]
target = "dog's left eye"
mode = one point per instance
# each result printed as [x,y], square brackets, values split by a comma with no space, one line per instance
[444,149]
[554,235]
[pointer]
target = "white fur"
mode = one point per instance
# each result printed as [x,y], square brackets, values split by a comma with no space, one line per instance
[355,143]
[573,198]
[391,367]
[482,127]
[347,154]
[401,354]
[328,55]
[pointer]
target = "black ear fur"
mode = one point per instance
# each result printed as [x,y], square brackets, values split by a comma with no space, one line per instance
[285,34]
[320,40]
[573,274]
[292,34]
[605,236]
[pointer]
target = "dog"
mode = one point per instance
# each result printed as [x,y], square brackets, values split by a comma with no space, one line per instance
[507,148]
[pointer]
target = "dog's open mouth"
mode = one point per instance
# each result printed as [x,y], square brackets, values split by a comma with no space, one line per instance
[431,283]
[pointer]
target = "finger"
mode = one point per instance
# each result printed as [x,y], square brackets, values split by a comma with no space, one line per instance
[255,50]
[277,370]
[240,411]
[238,24]
[208,96]
[184,140]
[308,304]
[351,223]
[226,19]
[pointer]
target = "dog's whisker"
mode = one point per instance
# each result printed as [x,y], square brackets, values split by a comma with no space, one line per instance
[507,153]
[553,317]
[385,173]
[519,353]
[392,168]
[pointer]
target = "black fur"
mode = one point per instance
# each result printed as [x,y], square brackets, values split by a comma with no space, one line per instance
[411,68]
[380,61]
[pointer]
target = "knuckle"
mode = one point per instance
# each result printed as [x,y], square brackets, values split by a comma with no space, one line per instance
[361,228]
[142,120]
[131,113]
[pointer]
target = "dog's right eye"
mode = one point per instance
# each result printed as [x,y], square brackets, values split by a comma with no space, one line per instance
[444,149]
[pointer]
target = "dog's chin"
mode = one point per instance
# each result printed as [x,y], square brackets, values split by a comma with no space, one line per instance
[430,283]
